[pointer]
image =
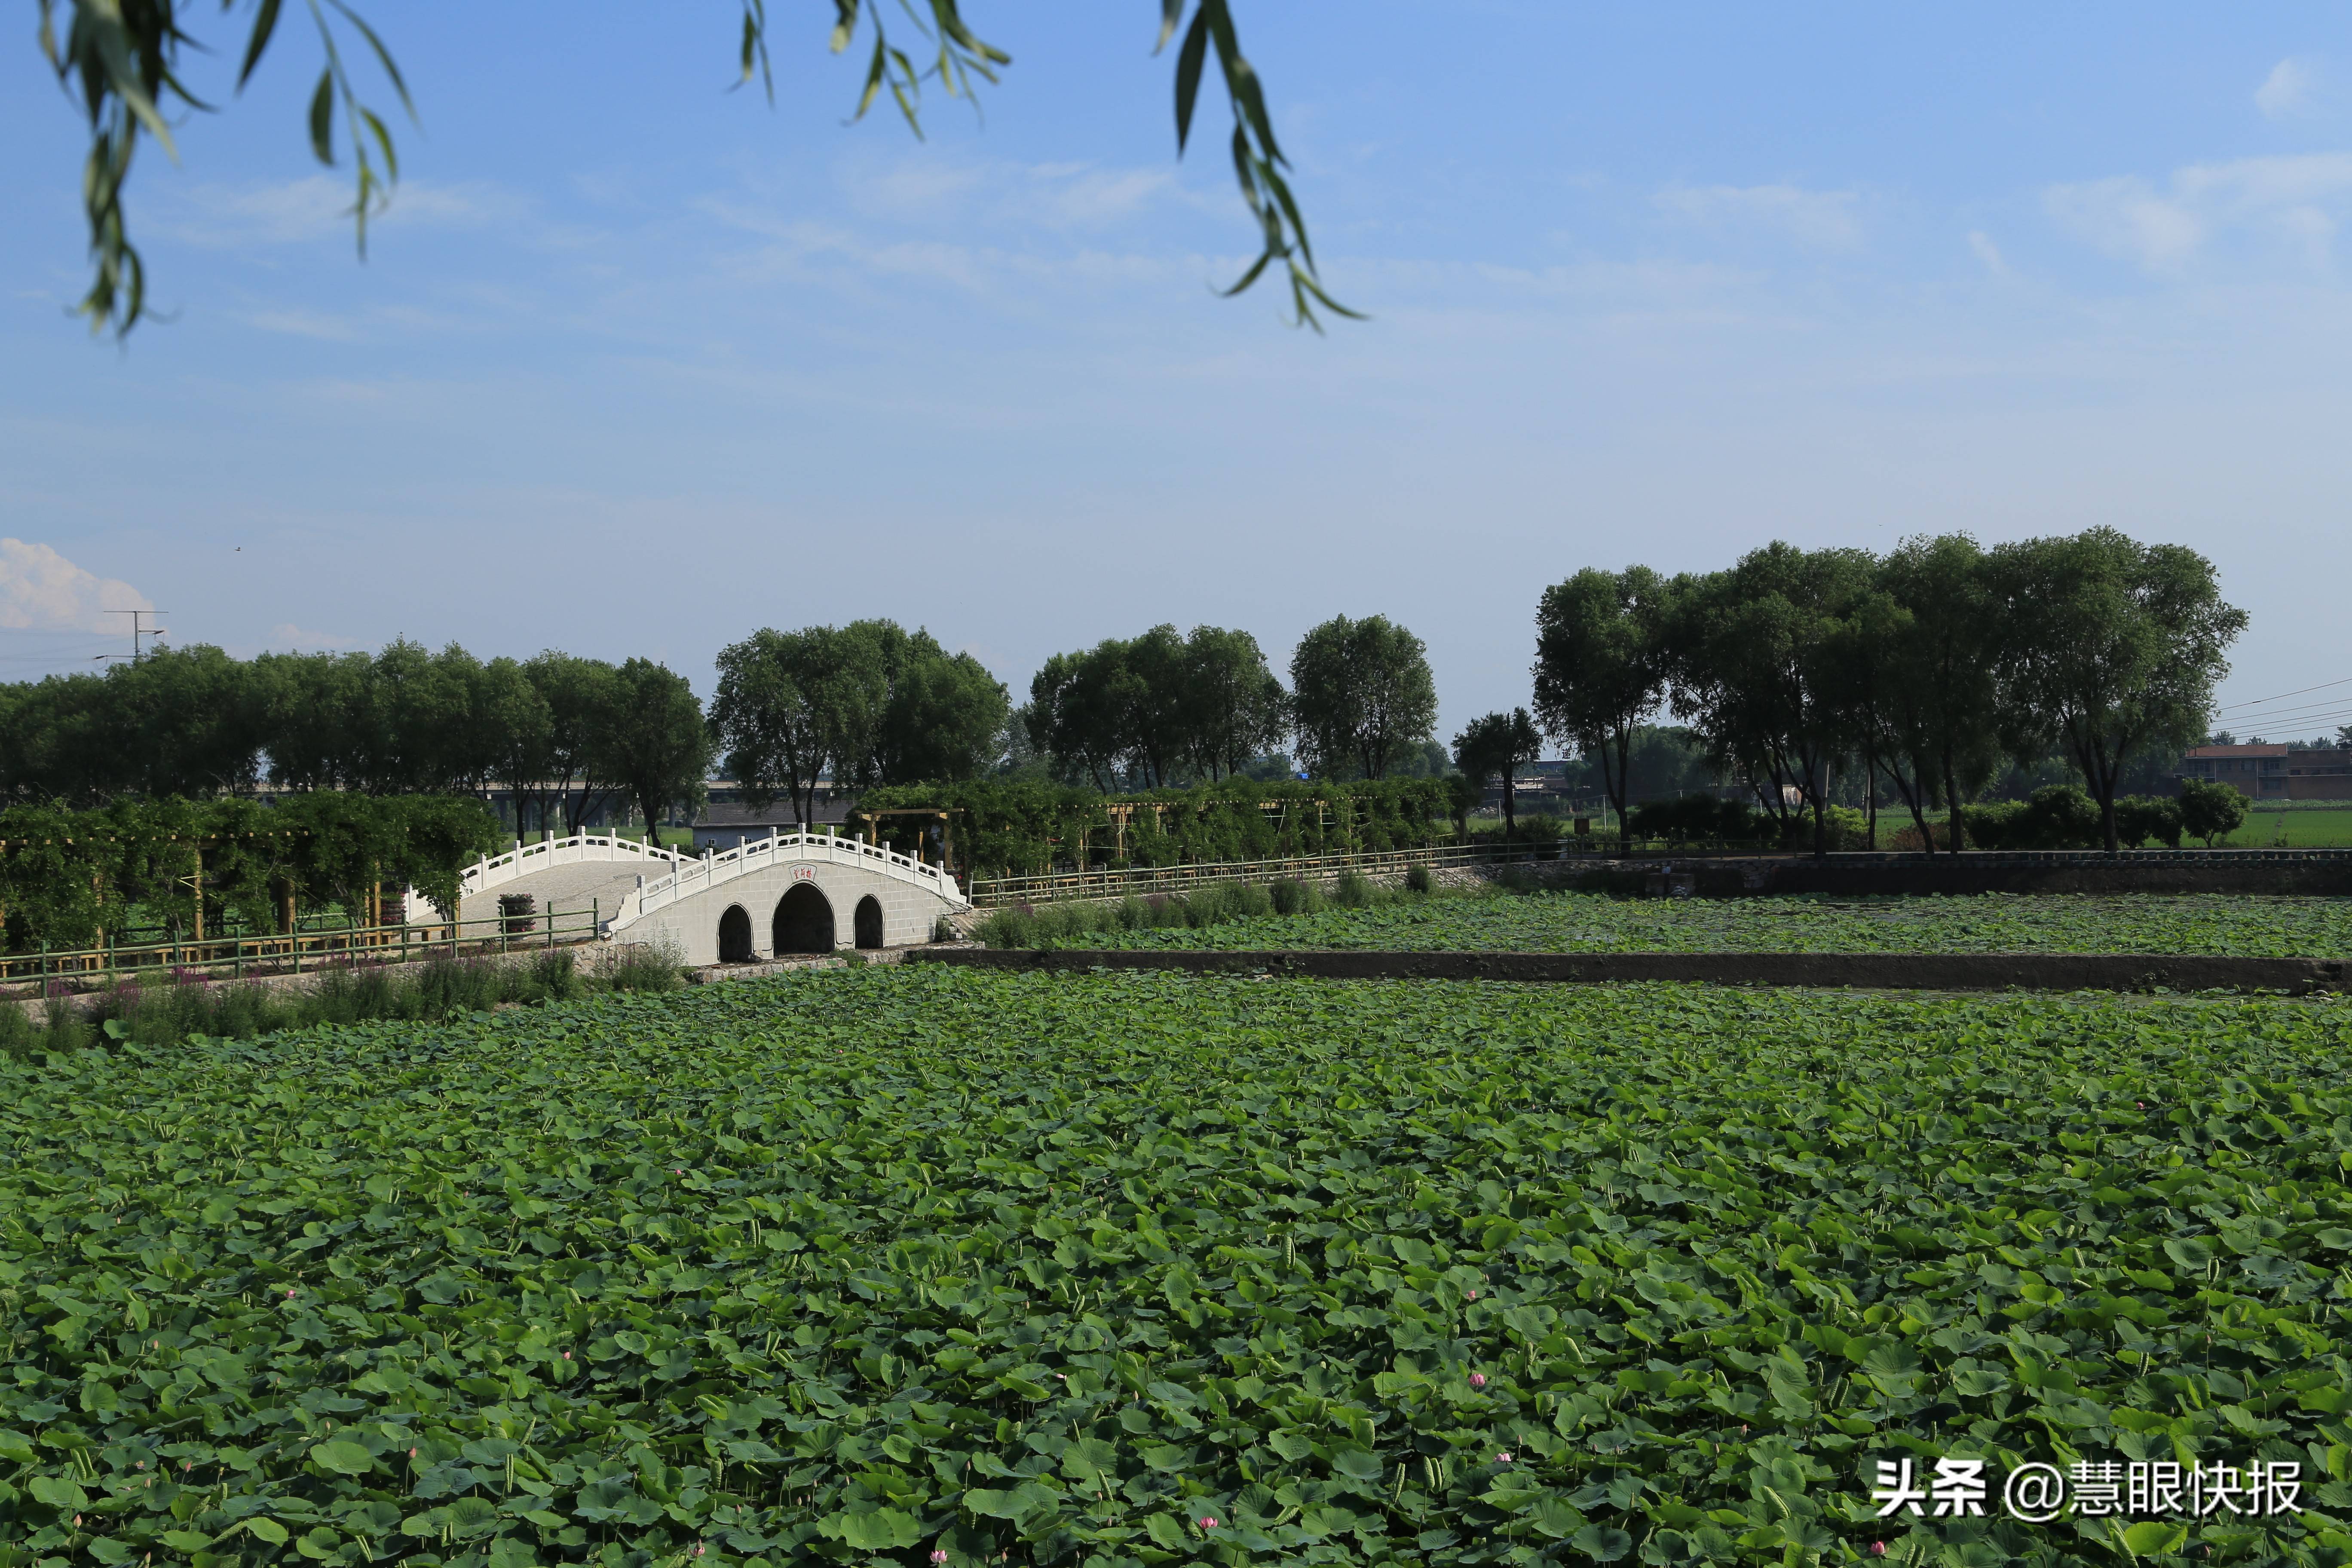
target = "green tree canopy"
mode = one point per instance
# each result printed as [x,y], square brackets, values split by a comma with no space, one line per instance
[1080,711]
[2108,643]
[652,747]
[517,743]
[765,718]
[1362,695]
[582,694]
[1941,704]
[872,702]
[1496,746]
[1235,708]
[946,716]
[1752,670]
[1601,664]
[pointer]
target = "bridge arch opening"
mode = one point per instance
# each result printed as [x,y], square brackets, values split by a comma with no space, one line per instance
[735,936]
[804,921]
[868,921]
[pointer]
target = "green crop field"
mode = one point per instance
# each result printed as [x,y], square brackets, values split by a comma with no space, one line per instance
[899,1265]
[1592,922]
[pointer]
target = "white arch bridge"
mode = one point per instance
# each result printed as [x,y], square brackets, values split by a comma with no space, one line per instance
[767,898]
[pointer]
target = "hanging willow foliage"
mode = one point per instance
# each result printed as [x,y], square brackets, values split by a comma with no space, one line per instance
[69,878]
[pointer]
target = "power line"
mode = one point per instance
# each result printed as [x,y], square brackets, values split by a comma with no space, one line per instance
[2257,702]
[137,631]
[2286,715]
[2328,717]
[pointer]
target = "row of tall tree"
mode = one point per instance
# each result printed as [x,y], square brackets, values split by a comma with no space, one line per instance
[568,735]
[1154,710]
[1926,669]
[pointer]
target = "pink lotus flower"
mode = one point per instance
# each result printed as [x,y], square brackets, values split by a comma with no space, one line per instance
[567,1355]
[939,1556]
[697,1548]
[1878,1549]
[1208,1522]
[1502,1458]
[289,1293]
[1474,1295]
[1477,1379]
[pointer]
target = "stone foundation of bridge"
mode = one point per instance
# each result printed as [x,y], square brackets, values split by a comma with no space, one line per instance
[793,908]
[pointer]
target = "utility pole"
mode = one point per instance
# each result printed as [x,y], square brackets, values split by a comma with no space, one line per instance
[137,631]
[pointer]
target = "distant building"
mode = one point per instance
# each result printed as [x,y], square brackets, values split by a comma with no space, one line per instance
[1540,788]
[2275,772]
[725,826]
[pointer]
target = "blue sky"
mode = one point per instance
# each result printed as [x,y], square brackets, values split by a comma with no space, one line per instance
[636,364]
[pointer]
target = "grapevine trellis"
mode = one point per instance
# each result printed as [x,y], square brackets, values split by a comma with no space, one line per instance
[72,880]
[1027,828]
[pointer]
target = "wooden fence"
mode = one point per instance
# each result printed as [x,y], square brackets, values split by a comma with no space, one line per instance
[1113,882]
[235,957]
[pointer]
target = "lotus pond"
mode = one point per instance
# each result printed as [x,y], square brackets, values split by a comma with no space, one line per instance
[2265,927]
[900,1264]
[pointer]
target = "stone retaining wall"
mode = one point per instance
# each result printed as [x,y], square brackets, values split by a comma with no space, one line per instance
[1866,971]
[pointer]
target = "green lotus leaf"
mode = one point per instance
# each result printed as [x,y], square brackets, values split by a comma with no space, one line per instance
[1166,1532]
[880,1531]
[342,1457]
[2154,1538]
[2190,1254]
[60,1492]
[1601,1542]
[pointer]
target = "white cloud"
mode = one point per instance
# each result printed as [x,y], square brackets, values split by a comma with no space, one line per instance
[927,189]
[1988,253]
[319,206]
[2295,199]
[303,324]
[41,590]
[1822,219]
[287,635]
[2288,89]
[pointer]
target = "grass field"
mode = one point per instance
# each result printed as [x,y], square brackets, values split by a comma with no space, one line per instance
[2300,827]
[889,1266]
[1590,922]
